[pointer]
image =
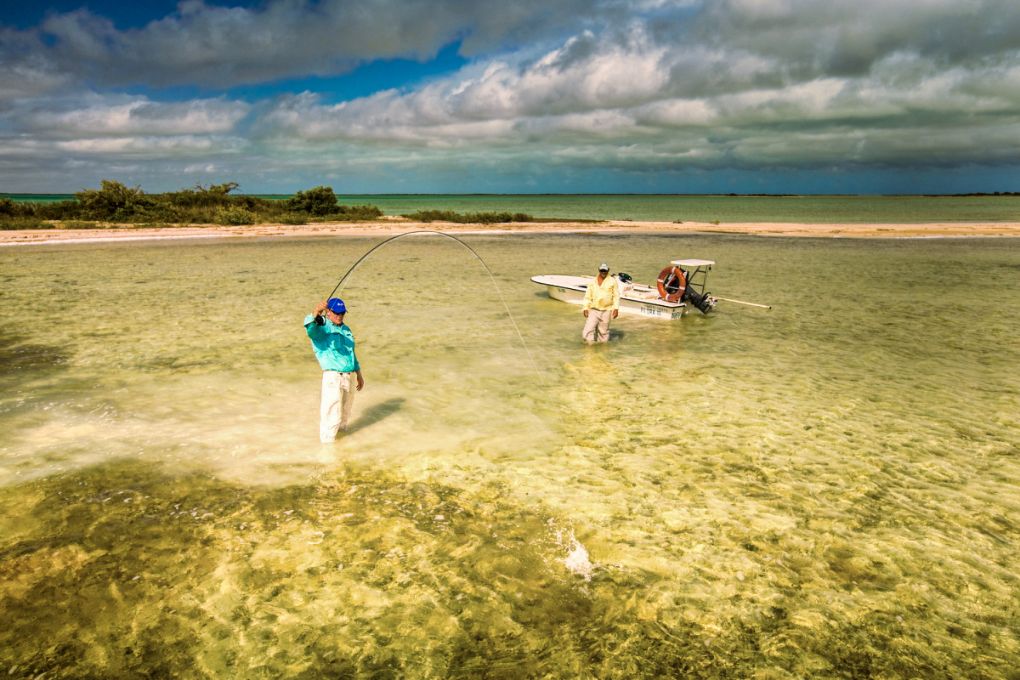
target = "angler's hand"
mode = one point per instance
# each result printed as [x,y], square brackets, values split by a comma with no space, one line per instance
[320,308]
[616,313]
[585,313]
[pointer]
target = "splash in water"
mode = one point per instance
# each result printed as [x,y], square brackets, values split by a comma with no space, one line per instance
[577,560]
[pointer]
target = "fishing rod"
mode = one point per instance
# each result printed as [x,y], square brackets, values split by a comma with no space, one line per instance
[492,278]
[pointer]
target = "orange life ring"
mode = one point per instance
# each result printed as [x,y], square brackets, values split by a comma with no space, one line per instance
[672,283]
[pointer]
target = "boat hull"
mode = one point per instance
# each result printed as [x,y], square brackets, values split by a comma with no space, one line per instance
[636,300]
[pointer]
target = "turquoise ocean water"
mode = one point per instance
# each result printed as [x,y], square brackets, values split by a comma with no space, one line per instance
[821,209]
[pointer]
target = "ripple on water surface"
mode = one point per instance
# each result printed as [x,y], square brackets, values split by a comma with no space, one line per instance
[827,489]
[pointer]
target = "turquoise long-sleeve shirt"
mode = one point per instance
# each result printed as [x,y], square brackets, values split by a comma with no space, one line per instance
[333,345]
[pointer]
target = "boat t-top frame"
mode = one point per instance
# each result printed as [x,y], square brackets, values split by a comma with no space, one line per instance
[696,272]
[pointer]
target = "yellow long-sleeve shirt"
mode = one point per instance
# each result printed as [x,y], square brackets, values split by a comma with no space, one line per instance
[604,296]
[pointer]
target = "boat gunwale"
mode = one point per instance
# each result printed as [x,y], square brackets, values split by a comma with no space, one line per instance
[657,302]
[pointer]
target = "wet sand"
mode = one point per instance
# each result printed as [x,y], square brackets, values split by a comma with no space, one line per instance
[392,226]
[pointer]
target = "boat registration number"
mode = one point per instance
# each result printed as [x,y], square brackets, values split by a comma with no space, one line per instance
[649,310]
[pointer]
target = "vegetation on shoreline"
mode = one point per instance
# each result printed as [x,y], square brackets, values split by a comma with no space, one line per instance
[483,217]
[468,218]
[115,203]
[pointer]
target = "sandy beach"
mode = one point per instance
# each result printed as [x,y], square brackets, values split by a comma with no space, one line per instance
[392,226]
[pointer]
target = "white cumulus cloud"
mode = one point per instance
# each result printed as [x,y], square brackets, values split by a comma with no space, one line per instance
[644,86]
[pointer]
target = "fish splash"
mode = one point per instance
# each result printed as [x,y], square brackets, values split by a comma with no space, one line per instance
[577,560]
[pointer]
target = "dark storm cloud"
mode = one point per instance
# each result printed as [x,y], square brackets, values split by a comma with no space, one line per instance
[221,47]
[811,38]
[25,68]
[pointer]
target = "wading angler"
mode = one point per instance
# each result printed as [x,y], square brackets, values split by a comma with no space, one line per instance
[601,305]
[333,344]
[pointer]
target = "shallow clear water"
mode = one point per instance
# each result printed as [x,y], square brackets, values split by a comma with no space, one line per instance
[826,489]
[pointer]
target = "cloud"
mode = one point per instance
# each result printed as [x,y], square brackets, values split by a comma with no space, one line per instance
[627,94]
[160,147]
[120,115]
[105,134]
[628,87]
[25,69]
[216,46]
[812,38]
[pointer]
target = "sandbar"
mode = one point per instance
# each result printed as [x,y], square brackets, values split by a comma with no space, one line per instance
[395,225]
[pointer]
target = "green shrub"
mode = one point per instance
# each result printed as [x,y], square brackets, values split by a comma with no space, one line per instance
[357,212]
[316,201]
[14,223]
[80,224]
[215,195]
[113,201]
[9,208]
[433,216]
[235,216]
[490,217]
[163,212]
[468,218]
[293,218]
[61,210]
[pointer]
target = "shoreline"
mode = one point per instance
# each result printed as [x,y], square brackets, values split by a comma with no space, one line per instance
[392,227]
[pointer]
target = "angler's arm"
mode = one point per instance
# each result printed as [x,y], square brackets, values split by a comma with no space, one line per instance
[315,321]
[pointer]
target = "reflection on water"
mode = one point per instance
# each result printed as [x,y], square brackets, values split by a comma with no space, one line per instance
[824,489]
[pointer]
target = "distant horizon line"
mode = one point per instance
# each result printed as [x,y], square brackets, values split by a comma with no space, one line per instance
[9,194]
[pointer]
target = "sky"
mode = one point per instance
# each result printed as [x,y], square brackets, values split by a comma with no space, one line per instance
[512,96]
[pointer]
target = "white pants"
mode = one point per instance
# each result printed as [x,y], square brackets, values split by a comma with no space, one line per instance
[337,399]
[596,326]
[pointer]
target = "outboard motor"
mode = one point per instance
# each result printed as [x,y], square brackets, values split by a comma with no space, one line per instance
[705,302]
[677,284]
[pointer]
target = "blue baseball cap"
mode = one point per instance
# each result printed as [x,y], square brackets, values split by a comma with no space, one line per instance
[336,305]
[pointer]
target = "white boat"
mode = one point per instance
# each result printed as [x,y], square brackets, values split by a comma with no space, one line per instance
[679,287]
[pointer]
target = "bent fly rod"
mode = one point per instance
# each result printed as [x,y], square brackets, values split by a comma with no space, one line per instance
[492,278]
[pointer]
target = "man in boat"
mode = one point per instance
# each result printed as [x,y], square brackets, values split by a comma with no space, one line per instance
[333,344]
[601,305]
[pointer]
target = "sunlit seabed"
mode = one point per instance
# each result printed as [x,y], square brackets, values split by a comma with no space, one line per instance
[826,489]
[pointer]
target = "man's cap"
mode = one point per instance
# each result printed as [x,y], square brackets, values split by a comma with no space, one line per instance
[336,305]
[603,267]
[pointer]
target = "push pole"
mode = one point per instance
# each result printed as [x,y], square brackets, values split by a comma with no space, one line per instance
[741,302]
